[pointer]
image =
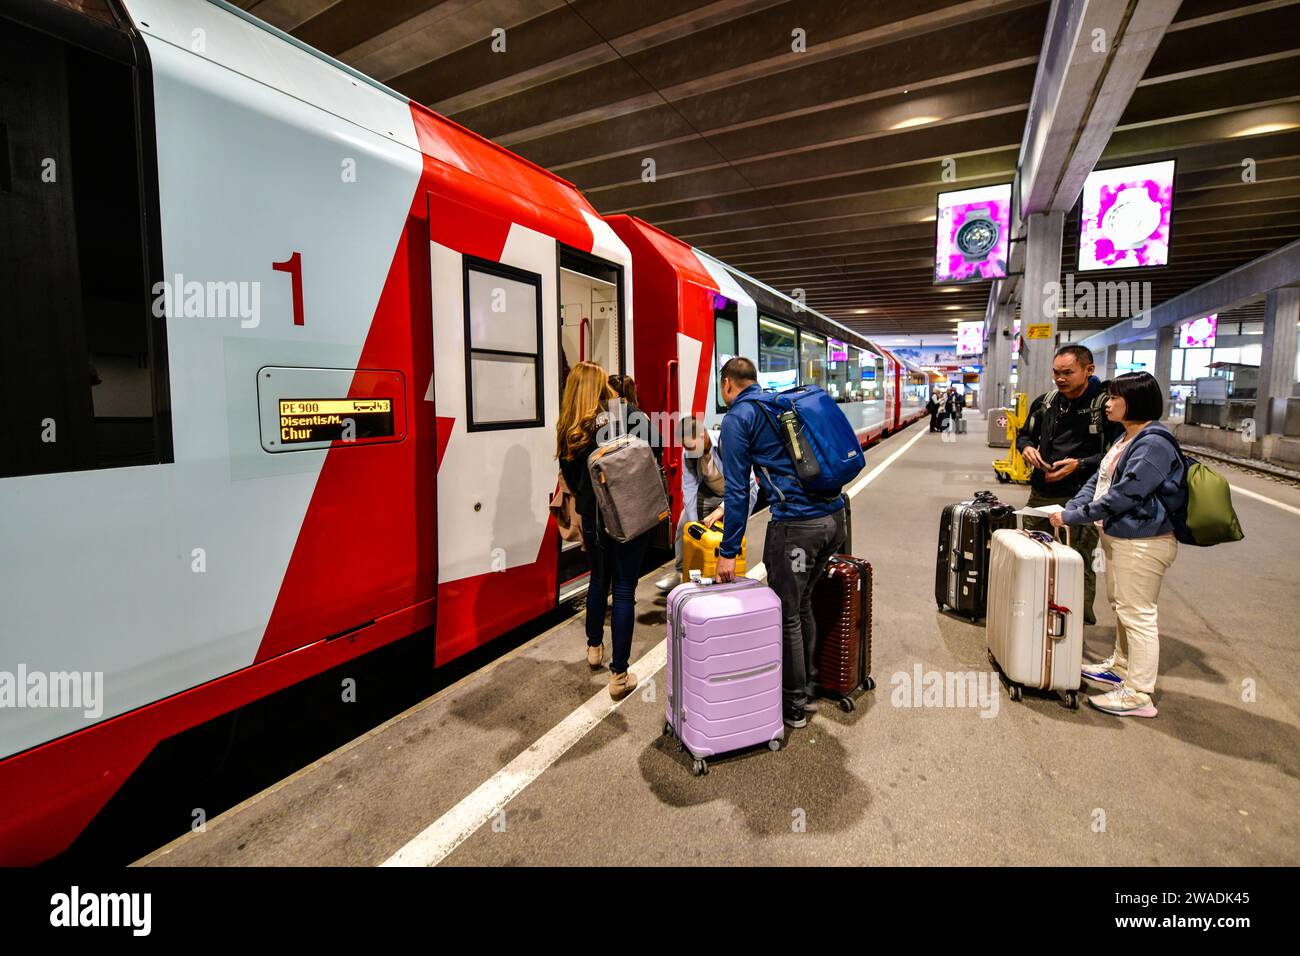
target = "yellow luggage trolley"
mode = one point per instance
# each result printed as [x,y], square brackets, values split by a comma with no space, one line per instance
[1013,467]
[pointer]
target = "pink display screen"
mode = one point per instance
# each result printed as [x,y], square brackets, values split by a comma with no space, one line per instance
[837,351]
[1124,217]
[970,338]
[973,234]
[1200,333]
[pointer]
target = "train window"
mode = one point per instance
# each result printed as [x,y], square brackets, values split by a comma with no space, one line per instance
[837,369]
[778,366]
[82,370]
[726,343]
[812,359]
[503,354]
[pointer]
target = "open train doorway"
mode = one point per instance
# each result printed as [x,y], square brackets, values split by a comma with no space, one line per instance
[591,330]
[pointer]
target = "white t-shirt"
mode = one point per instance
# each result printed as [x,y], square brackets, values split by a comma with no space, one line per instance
[1106,470]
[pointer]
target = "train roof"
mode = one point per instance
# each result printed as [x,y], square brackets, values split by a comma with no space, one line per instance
[477,170]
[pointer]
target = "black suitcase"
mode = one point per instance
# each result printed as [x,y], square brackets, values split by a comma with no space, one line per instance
[961,580]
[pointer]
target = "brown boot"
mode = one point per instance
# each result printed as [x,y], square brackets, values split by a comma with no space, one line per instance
[595,655]
[620,685]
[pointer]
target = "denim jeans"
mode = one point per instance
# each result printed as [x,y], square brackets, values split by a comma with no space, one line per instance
[795,554]
[618,565]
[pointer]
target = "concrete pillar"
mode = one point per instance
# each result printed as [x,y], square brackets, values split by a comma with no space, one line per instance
[994,377]
[1111,361]
[1164,358]
[1040,299]
[1278,358]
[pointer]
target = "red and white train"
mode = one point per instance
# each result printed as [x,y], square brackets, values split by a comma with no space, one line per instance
[282,365]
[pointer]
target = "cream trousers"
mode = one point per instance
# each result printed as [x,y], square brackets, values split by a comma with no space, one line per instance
[1134,569]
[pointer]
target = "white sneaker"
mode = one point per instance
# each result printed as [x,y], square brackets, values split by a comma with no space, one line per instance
[669,581]
[1124,701]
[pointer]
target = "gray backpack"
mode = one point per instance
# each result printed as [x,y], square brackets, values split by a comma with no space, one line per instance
[629,486]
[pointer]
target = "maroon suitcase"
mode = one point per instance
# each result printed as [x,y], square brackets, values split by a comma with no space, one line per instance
[842,612]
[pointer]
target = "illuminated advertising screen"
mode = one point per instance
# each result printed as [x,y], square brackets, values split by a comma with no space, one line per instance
[837,351]
[1200,333]
[970,338]
[973,234]
[1124,217]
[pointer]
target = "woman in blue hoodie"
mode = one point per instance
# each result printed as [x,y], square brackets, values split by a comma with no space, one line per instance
[1129,498]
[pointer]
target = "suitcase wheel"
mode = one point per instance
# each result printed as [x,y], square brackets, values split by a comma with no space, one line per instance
[846,704]
[1072,698]
[668,728]
[699,768]
[869,684]
[1015,691]
[774,744]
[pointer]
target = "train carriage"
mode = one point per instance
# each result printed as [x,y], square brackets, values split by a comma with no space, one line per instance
[202,504]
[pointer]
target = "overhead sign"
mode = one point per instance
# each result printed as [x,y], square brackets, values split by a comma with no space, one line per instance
[970,338]
[334,419]
[1125,213]
[973,234]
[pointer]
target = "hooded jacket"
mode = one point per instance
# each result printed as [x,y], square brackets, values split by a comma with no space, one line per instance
[1148,481]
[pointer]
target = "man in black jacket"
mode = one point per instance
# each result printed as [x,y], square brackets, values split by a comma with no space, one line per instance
[1064,438]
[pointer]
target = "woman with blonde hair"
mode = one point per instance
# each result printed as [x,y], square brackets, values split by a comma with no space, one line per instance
[583,415]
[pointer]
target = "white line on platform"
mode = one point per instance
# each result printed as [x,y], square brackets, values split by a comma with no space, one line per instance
[458,824]
[1264,498]
[870,476]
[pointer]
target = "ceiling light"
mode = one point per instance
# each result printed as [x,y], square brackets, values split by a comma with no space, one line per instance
[952,308]
[859,311]
[950,288]
[1261,128]
[914,121]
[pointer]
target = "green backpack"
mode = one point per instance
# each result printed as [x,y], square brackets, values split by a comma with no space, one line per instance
[1206,516]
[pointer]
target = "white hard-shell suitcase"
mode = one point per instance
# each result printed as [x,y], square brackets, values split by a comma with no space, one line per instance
[1035,613]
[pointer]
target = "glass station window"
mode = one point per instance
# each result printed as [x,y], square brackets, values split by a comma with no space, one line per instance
[1196,364]
[812,359]
[1176,366]
[503,333]
[1252,354]
[777,363]
[1144,360]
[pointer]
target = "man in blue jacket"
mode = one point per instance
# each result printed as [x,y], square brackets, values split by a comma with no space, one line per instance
[803,533]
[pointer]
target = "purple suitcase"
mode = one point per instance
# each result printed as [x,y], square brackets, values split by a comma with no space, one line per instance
[724,652]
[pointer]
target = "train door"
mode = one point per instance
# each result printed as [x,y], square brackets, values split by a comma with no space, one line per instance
[591,330]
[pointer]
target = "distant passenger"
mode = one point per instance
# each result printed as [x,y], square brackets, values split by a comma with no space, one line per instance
[583,415]
[1063,439]
[635,421]
[703,488]
[1140,480]
[932,407]
[802,534]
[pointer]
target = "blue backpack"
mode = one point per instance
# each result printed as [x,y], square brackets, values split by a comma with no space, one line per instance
[822,445]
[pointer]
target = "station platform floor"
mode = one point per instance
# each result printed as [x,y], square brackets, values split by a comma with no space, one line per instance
[526,761]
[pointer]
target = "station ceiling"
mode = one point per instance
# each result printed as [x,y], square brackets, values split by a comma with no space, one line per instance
[819,169]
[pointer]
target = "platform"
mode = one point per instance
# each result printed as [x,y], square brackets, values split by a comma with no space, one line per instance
[1212,780]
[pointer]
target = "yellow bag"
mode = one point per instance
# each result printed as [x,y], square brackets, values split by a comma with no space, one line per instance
[700,550]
